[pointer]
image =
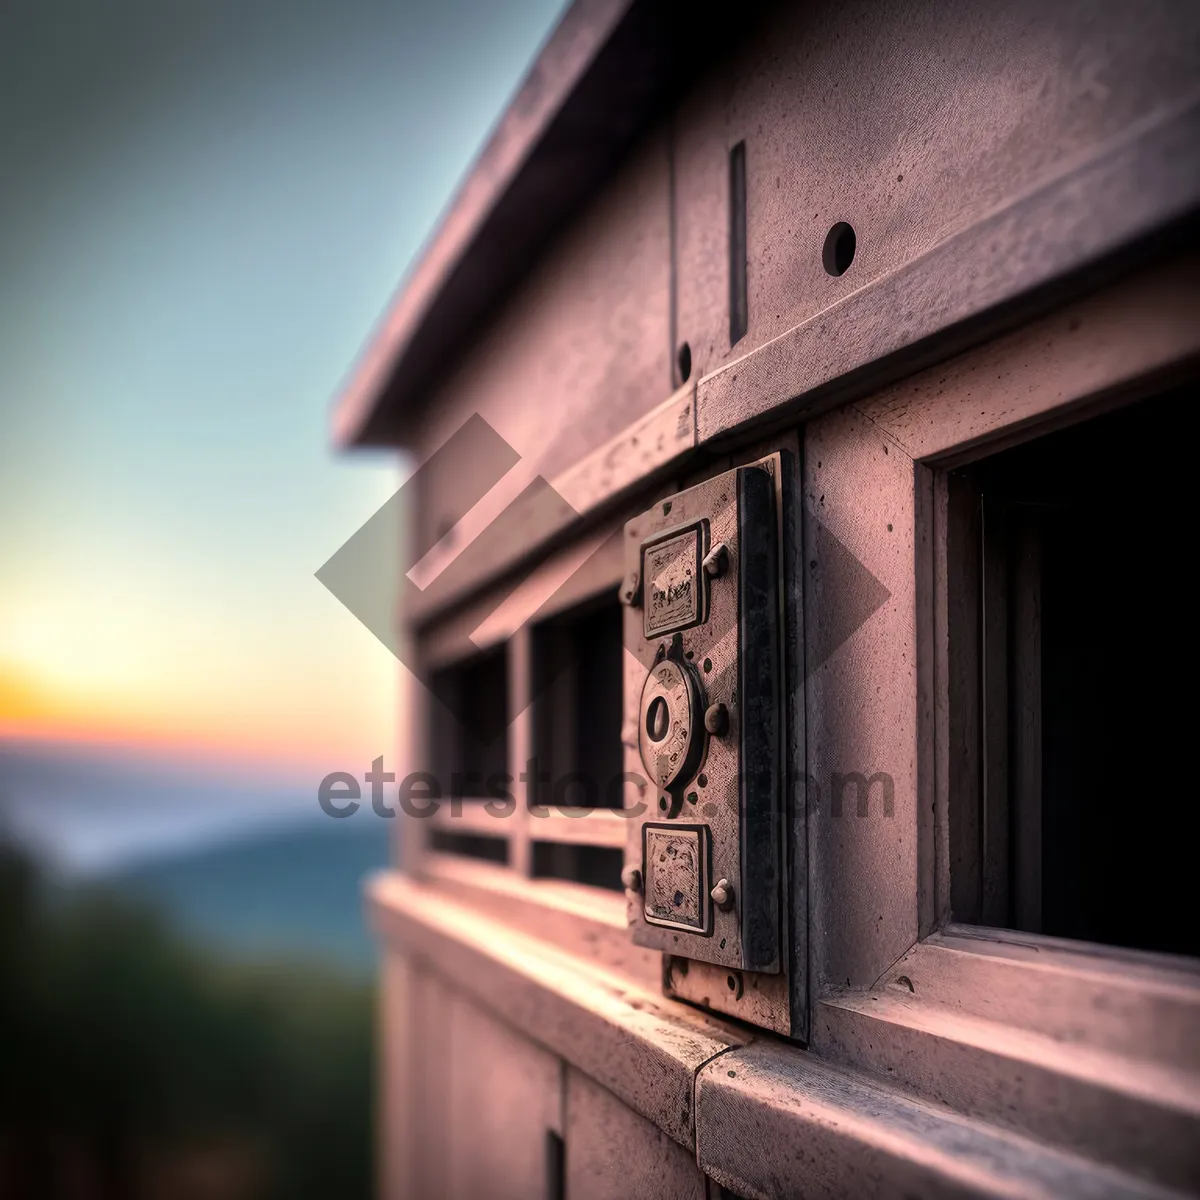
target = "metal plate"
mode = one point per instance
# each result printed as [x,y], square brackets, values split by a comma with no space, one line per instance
[676,858]
[676,589]
[711,790]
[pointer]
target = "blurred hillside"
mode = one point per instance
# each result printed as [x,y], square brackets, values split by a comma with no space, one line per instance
[245,867]
[291,891]
[186,985]
[139,1064]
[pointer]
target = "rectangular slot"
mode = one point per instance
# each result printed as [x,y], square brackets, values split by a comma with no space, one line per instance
[1070,639]
[556,1167]
[738,310]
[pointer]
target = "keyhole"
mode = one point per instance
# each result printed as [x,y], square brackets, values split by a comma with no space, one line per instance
[657,719]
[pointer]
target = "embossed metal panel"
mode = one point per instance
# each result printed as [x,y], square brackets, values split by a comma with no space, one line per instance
[704,863]
[676,858]
[676,595]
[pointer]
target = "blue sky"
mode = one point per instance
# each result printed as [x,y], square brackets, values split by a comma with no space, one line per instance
[205,209]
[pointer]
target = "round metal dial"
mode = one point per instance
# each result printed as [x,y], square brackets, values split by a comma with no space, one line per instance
[670,724]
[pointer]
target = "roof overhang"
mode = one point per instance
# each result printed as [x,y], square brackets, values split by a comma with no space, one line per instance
[603,74]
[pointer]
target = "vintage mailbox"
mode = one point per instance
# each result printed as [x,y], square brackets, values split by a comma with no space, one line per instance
[704,621]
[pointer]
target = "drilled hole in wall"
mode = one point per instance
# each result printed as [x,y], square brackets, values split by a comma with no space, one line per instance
[684,360]
[838,253]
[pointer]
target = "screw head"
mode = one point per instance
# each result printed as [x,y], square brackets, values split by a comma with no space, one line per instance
[716,720]
[716,561]
[631,877]
[722,894]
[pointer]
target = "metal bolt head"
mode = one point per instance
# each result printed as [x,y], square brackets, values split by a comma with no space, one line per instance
[716,561]
[722,894]
[716,720]
[631,877]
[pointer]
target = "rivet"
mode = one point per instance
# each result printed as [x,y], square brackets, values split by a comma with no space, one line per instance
[716,720]
[722,895]
[716,561]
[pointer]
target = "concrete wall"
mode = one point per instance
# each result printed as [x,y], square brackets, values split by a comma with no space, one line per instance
[911,121]
[916,123]
[471,1108]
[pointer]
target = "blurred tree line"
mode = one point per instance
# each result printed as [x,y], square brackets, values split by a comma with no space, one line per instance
[135,1064]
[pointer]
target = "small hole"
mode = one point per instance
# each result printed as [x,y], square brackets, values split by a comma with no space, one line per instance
[702,779]
[708,664]
[662,803]
[732,983]
[684,360]
[667,509]
[692,797]
[840,244]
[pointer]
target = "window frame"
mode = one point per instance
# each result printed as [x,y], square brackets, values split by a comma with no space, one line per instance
[994,1021]
[504,614]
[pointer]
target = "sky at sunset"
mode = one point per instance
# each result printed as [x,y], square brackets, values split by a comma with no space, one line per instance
[204,209]
[203,216]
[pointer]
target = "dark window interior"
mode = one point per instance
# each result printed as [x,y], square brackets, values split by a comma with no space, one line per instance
[469,727]
[578,665]
[1072,641]
[469,845]
[599,866]
[578,672]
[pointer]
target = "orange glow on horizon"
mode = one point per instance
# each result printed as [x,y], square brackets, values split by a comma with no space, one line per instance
[277,739]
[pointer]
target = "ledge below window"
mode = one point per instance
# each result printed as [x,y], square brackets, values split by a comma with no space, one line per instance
[763,1116]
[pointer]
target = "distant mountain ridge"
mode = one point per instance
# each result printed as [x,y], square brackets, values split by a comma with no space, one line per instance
[248,865]
[293,892]
[84,809]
